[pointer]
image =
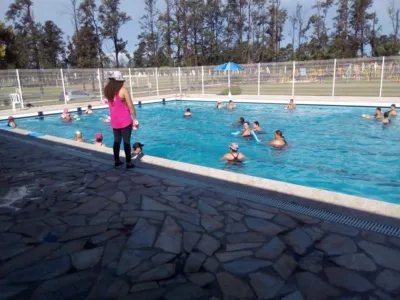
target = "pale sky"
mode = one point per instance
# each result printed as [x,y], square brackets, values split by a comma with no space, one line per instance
[55,10]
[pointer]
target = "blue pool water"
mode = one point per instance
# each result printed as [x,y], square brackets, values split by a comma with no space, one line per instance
[331,148]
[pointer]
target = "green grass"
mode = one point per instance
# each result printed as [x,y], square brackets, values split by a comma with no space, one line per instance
[235,90]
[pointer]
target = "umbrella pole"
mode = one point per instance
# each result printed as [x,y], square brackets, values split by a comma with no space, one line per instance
[229,83]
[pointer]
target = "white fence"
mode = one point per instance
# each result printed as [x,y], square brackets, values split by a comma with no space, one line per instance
[360,77]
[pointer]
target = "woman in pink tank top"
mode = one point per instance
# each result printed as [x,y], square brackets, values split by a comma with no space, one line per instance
[122,112]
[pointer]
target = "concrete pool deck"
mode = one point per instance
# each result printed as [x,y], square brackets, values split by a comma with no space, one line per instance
[74,227]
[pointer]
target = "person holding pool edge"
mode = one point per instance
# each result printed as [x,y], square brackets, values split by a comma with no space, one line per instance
[123,116]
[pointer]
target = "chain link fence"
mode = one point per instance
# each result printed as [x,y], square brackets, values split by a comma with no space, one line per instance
[358,77]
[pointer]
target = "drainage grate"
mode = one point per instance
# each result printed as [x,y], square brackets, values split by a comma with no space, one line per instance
[284,205]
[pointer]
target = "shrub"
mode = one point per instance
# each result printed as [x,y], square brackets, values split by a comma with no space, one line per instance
[235,90]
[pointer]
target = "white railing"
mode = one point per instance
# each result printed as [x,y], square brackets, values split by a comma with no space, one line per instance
[360,77]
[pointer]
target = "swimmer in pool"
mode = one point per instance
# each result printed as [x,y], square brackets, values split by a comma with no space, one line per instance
[386,118]
[291,105]
[65,113]
[220,105]
[137,149]
[89,110]
[247,129]
[78,137]
[393,111]
[107,119]
[99,140]
[230,105]
[279,140]
[11,122]
[187,113]
[68,118]
[240,122]
[256,127]
[233,155]
[377,115]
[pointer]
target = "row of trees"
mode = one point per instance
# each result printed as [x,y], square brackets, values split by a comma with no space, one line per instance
[192,32]
[198,32]
[30,44]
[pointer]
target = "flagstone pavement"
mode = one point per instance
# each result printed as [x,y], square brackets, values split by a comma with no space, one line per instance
[71,228]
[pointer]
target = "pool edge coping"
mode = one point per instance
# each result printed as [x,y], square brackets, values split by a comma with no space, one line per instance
[316,198]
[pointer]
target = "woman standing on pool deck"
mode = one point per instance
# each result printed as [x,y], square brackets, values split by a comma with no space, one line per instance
[121,111]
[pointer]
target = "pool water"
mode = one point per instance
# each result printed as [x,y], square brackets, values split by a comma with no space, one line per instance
[330,148]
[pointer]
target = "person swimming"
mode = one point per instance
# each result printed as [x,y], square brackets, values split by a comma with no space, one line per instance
[377,115]
[137,149]
[386,118]
[11,122]
[240,122]
[256,127]
[393,111]
[89,110]
[246,129]
[78,137]
[233,155]
[230,105]
[65,113]
[68,118]
[291,105]
[187,113]
[279,140]
[99,140]
[220,105]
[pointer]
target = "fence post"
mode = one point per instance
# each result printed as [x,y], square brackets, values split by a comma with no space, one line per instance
[334,78]
[100,85]
[180,84]
[19,88]
[294,76]
[382,73]
[259,79]
[202,80]
[63,84]
[158,93]
[130,82]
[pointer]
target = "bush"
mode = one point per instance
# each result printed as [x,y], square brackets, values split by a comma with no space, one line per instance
[235,90]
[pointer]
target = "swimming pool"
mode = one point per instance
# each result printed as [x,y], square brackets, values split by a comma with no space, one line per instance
[330,148]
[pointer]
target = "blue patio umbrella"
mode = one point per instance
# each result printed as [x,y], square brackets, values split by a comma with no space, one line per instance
[229,66]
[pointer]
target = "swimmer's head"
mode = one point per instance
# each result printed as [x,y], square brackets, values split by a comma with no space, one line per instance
[78,135]
[137,146]
[246,125]
[393,106]
[230,101]
[99,137]
[11,121]
[291,100]
[378,109]
[279,134]
[241,120]
[188,110]
[89,106]
[256,124]
[386,114]
[65,110]
[234,147]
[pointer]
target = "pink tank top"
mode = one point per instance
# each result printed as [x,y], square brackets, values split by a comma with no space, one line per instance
[119,113]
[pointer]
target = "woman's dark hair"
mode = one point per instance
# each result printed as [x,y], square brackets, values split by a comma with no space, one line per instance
[248,123]
[99,140]
[241,119]
[280,133]
[188,109]
[378,108]
[257,123]
[89,106]
[112,88]
[386,114]
[393,105]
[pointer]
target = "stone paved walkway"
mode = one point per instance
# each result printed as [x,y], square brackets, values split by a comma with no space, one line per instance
[87,231]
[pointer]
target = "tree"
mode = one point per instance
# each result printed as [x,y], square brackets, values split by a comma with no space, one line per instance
[302,27]
[149,37]
[275,24]
[88,8]
[293,23]
[7,54]
[394,15]
[341,44]
[51,45]
[360,22]
[113,19]
[213,29]
[166,23]
[26,33]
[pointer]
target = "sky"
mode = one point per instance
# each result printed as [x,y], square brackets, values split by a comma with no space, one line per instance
[56,10]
